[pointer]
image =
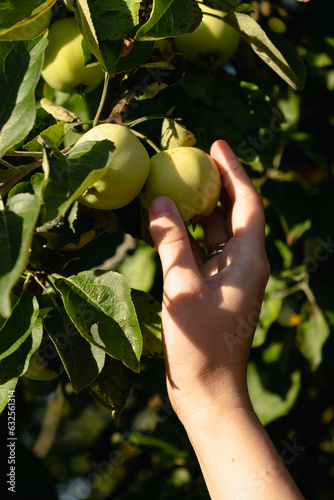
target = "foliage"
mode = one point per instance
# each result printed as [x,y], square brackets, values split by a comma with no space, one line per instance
[90,280]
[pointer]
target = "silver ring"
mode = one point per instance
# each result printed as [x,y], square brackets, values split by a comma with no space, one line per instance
[215,249]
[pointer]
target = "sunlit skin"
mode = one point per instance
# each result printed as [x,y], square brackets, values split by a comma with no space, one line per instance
[213,42]
[206,356]
[64,66]
[127,170]
[187,175]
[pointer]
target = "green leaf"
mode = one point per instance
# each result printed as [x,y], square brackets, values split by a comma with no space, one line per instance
[285,252]
[312,334]
[298,230]
[170,18]
[19,14]
[273,49]
[20,336]
[82,360]
[139,268]
[138,55]
[269,406]
[19,73]
[5,392]
[112,387]
[17,226]
[153,77]
[149,316]
[104,24]
[99,304]
[67,177]
[174,135]
[54,133]
[270,309]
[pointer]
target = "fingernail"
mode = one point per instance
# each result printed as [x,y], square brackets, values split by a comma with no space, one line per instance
[161,207]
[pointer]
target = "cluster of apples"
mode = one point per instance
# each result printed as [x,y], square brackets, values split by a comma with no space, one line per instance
[186,174]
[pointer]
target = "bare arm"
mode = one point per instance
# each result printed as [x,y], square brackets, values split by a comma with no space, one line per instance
[206,351]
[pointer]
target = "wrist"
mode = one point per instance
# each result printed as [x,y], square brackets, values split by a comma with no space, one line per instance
[212,397]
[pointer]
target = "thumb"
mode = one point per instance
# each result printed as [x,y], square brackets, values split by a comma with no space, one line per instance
[170,236]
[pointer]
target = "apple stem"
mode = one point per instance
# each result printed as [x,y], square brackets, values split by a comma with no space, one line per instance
[146,118]
[146,139]
[103,99]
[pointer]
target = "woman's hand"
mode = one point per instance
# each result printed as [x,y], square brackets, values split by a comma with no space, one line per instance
[211,307]
[210,312]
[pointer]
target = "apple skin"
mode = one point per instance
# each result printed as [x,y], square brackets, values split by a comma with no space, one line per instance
[127,171]
[64,67]
[213,42]
[30,30]
[188,176]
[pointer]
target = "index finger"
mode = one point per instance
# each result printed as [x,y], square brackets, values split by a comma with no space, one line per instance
[247,218]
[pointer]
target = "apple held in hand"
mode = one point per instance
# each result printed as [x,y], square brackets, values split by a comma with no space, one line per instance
[188,176]
[64,68]
[213,42]
[127,170]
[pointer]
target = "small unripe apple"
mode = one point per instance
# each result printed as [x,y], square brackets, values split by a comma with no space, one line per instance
[127,170]
[30,30]
[213,42]
[64,67]
[188,176]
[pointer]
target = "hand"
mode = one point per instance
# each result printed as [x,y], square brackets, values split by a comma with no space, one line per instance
[210,311]
[211,307]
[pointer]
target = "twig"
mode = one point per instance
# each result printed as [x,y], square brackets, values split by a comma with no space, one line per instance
[153,117]
[34,154]
[103,99]
[8,165]
[7,184]
[146,139]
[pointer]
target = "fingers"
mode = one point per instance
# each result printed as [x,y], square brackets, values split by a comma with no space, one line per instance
[247,217]
[215,228]
[171,239]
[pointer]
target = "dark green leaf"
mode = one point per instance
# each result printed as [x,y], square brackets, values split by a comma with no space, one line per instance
[149,317]
[19,73]
[81,359]
[23,19]
[54,133]
[104,24]
[270,309]
[67,177]
[312,334]
[99,304]
[5,392]
[268,405]
[273,49]
[17,225]
[112,387]
[20,336]
[170,18]
[139,54]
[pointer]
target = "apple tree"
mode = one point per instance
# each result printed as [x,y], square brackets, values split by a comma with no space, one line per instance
[80,283]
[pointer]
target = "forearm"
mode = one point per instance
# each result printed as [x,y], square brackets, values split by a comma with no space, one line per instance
[238,459]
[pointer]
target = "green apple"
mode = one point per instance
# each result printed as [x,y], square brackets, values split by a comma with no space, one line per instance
[30,30]
[213,42]
[44,364]
[127,171]
[188,176]
[64,68]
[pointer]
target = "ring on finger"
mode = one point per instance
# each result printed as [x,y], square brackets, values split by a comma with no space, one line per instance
[216,249]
